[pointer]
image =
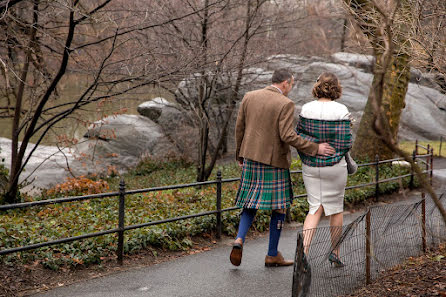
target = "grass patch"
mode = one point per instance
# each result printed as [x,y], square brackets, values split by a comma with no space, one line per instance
[409,146]
[39,224]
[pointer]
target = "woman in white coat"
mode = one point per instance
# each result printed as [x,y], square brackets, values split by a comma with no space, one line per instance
[325,177]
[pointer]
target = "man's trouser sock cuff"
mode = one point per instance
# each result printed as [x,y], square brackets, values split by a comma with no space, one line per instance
[246,219]
[275,228]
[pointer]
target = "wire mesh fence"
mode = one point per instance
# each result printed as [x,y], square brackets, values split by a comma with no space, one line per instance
[435,227]
[377,240]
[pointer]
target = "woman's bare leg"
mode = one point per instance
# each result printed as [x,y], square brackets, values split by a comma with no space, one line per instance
[310,224]
[336,221]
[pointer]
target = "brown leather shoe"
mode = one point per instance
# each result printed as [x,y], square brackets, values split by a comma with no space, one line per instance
[236,254]
[277,261]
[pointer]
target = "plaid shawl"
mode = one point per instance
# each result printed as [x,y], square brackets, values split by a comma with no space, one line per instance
[337,133]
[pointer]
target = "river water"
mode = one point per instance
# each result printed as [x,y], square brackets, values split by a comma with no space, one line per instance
[76,125]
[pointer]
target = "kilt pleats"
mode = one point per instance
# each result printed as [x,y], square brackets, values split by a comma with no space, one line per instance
[264,187]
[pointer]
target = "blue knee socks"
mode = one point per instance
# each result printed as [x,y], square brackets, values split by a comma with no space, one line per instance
[246,219]
[275,228]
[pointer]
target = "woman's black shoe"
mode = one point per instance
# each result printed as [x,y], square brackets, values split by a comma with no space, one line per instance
[335,260]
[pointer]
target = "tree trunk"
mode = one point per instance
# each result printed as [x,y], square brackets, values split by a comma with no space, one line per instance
[396,80]
[11,193]
[203,149]
[233,99]
[202,99]
[16,161]
[344,34]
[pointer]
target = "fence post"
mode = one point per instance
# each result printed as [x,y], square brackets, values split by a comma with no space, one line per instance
[414,156]
[120,250]
[416,147]
[367,246]
[432,164]
[219,226]
[423,221]
[376,177]
[428,161]
[288,215]
[441,142]
[427,168]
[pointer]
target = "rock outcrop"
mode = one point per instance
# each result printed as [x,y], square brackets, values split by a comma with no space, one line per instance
[112,144]
[122,141]
[164,129]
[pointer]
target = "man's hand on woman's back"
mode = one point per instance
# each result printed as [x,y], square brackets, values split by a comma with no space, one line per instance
[325,150]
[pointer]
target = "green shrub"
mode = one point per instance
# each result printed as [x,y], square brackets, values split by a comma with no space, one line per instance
[77,186]
[148,166]
[39,224]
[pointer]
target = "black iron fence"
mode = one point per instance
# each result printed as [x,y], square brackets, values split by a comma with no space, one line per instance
[428,147]
[122,193]
[441,144]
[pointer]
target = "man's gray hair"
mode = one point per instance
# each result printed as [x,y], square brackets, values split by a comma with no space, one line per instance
[281,75]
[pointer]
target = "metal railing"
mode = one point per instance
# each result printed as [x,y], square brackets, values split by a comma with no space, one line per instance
[121,228]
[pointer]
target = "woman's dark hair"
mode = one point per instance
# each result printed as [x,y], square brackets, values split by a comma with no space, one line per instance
[327,86]
[281,75]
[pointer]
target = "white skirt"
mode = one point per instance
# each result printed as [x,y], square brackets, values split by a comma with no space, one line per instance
[326,186]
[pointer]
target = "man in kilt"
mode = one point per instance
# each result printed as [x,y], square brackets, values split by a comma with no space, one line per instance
[264,133]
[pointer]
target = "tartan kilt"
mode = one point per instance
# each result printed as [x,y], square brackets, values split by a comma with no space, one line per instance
[264,187]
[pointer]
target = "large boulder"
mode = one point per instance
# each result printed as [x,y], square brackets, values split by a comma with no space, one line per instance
[165,129]
[363,62]
[425,113]
[114,143]
[423,118]
[152,109]
[175,123]
[46,167]
[366,63]
[179,126]
[122,141]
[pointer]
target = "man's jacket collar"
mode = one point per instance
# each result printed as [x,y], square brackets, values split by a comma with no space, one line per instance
[271,88]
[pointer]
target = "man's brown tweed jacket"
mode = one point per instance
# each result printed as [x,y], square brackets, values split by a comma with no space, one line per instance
[265,129]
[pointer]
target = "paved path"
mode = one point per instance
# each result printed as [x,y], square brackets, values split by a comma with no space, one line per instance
[205,274]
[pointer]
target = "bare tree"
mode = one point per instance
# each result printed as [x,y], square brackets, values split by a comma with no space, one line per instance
[119,50]
[43,40]
[428,39]
[254,30]
[369,19]
[419,29]
[226,36]
[381,122]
